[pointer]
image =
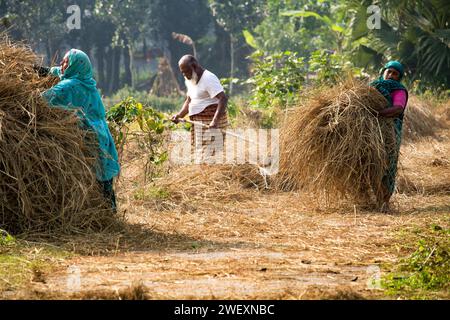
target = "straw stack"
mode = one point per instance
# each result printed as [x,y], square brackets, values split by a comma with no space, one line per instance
[420,121]
[335,145]
[47,184]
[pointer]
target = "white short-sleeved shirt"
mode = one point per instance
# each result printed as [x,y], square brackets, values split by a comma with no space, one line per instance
[204,93]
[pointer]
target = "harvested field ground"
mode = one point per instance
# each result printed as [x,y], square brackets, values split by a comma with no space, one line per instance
[194,235]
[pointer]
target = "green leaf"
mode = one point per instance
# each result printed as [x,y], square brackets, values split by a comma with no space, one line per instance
[337,28]
[301,14]
[249,39]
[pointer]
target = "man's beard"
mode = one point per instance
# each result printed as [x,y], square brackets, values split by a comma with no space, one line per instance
[194,79]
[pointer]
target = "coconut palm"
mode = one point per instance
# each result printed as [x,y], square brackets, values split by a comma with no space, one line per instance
[414,32]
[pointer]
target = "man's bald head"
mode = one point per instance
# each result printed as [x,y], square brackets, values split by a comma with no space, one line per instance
[190,68]
[187,60]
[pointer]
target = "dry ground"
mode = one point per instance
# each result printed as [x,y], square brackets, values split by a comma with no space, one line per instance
[200,234]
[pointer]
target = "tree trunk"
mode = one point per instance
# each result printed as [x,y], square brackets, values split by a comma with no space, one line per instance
[144,48]
[232,40]
[109,70]
[101,67]
[133,74]
[127,64]
[115,83]
[86,47]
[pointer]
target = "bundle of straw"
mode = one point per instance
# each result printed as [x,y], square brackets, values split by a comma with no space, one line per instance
[420,122]
[47,184]
[335,144]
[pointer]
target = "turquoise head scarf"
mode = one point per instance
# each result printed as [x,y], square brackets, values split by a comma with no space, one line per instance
[79,68]
[395,65]
[386,87]
[77,91]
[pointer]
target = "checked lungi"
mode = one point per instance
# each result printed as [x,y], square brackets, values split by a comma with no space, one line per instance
[208,144]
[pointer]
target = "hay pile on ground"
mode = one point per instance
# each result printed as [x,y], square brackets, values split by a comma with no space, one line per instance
[186,188]
[216,180]
[420,121]
[334,145]
[47,184]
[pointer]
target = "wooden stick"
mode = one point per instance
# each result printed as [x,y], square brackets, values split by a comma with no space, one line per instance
[224,131]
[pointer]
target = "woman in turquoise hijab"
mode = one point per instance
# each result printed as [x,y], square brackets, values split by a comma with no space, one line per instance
[397,96]
[77,90]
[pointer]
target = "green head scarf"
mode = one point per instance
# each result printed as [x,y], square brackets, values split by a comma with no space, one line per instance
[386,87]
[395,65]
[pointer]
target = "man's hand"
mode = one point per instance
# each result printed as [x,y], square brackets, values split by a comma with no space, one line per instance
[176,118]
[213,124]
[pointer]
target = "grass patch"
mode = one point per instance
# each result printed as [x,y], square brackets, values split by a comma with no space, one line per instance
[151,193]
[425,273]
[163,104]
[22,262]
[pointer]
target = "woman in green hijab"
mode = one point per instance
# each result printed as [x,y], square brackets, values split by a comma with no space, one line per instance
[397,96]
[77,90]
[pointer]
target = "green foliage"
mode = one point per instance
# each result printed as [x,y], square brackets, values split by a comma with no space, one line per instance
[331,24]
[427,269]
[44,22]
[232,109]
[151,127]
[249,39]
[414,32]
[436,94]
[277,79]
[151,193]
[127,18]
[235,15]
[270,118]
[330,67]
[6,239]
[163,104]
[228,82]
[285,29]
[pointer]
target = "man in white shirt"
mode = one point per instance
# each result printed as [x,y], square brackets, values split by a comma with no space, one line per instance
[205,103]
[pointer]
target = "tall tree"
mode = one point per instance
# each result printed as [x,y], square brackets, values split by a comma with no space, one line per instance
[42,24]
[190,17]
[235,16]
[128,17]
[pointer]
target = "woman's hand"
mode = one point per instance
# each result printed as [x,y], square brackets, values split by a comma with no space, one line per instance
[391,112]
[42,71]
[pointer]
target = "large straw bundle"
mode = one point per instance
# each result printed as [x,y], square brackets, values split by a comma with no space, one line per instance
[420,122]
[335,145]
[47,184]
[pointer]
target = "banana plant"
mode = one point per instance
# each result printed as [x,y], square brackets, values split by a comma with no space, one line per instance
[414,32]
